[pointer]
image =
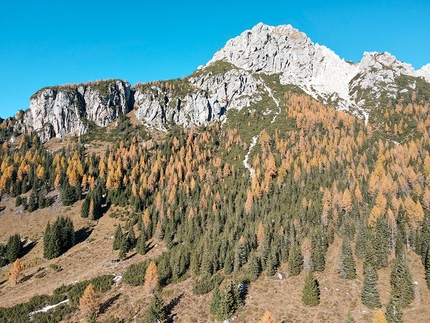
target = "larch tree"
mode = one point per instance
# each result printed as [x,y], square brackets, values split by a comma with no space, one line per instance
[15,274]
[89,303]
[379,317]
[151,277]
[267,318]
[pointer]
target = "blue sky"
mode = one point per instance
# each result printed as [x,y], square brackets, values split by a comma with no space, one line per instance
[45,43]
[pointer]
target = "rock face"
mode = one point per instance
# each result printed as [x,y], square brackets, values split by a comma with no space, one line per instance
[203,97]
[61,110]
[316,69]
[230,80]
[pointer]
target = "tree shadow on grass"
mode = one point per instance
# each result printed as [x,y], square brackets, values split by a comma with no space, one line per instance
[27,248]
[109,302]
[169,307]
[82,234]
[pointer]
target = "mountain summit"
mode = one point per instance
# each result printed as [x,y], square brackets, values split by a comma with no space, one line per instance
[315,68]
[232,79]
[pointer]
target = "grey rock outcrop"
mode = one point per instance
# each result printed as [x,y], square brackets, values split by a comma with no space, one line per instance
[61,110]
[197,100]
[317,69]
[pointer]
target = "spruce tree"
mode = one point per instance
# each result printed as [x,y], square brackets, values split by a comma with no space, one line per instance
[369,292]
[85,209]
[427,268]
[118,237]
[271,265]
[311,292]
[131,238]
[216,300]
[393,313]
[254,267]
[124,247]
[141,243]
[318,257]
[32,202]
[228,265]
[349,318]
[13,248]
[47,252]
[402,288]
[155,312]
[346,265]
[295,261]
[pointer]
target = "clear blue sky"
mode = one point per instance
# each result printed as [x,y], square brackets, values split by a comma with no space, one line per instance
[46,43]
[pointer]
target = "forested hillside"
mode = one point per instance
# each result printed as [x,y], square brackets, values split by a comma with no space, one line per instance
[278,191]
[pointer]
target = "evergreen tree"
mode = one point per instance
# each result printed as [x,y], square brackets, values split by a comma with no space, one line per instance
[32,202]
[360,243]
[240,256]
[346,265]
[394,312]
[254,267]
[216,300]
[295,261]
[141,243]
[311,292]
[131,238]
[47,252]
[13,248]
[370,293]
[271,265]
[155,312]
[349,318]
[427,268]
[401,282]
[124,247]
[85,209]
[118,237]
[318,257]
[228,265]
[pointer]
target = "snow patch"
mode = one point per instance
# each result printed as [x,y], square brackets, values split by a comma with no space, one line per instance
[47,308]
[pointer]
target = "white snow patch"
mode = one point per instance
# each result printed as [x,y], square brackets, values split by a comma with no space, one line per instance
[47,308]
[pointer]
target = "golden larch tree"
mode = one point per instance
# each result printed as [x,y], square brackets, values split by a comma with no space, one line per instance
[89,302]
[267,318]
[379,317]
[151,277]
[15,274]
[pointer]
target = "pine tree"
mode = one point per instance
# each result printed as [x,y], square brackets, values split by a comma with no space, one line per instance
[13,247]
[32,202]
[47,252]
[394,312]
[370,293]
[151,277]
[319,257]
[311,292]
[267,318]
[349,318]
[254,267]
[346,265]
[402,289]
[295,261]
[216,300]
[118,237]
[89,302]
[85,209]
[155,312]
[427,268]
[131,238]
[124,247]
[15,274]
[141,243]
[240,256]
